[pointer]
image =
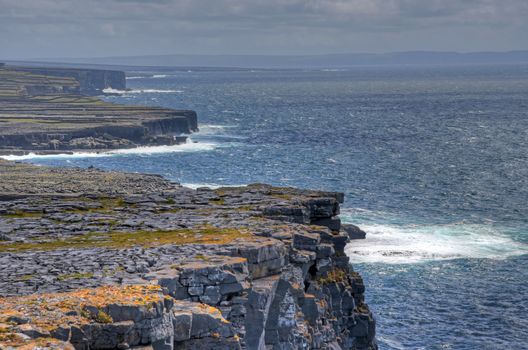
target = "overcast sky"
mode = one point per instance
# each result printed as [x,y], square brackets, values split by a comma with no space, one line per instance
[95,28]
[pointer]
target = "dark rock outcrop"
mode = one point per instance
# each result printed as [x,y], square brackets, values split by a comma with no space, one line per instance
[354,232]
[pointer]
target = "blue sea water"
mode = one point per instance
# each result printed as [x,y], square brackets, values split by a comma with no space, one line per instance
[433,161]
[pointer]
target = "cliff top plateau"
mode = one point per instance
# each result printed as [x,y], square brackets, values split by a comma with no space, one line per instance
[107,260]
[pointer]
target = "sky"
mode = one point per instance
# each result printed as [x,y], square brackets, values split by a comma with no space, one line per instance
[32,29]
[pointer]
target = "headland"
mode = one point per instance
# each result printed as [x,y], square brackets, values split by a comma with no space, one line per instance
[95,259]
[52,110]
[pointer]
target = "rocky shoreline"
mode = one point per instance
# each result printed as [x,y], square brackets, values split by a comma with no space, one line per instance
[96,259]
[108,260]
[50,110]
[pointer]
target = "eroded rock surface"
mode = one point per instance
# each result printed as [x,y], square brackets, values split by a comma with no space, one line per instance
[133,261]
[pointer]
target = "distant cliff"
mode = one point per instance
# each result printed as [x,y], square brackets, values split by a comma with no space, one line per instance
[92,81]
[47,110]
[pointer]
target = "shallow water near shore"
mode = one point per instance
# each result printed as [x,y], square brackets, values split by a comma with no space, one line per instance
[433,161]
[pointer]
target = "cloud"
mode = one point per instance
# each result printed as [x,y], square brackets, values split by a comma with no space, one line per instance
[283,26]
[228,10]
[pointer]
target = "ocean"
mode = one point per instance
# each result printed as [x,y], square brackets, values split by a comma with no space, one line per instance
[433,161]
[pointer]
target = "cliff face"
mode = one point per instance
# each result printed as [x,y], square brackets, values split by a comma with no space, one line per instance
[94,135]
[92,81]
[158,265]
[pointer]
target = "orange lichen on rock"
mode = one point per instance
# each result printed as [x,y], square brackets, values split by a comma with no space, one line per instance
[46,312]
[21,343]
[212,311]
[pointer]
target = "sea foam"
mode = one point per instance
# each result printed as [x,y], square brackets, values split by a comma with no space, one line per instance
[213,186]
[146,150]
[414,243]
[140,91]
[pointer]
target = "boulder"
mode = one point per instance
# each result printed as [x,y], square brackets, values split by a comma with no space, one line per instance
[353,231]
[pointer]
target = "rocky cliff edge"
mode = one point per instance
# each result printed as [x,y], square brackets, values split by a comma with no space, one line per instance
[115,261]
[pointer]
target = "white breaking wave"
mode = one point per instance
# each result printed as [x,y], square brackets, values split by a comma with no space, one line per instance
[395,244]
[211,129]
[155,76]
[146,150]
[213,186]
[140,91]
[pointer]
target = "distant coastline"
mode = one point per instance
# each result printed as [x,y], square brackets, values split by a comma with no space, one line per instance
[338,60]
